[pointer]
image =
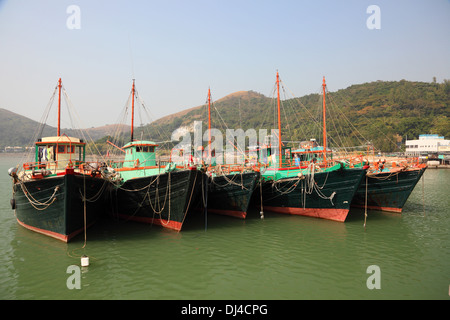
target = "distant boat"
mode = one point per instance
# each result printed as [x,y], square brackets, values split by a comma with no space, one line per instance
[59,194]
[322,189]
[230,186]
[388,189]
[230,193]
[384,188]
[150,192]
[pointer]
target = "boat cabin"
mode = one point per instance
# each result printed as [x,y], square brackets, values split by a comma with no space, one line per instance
[310,151]
[269,155]
[60,152]
[139,154]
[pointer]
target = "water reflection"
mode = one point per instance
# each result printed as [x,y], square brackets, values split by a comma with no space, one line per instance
[279,257]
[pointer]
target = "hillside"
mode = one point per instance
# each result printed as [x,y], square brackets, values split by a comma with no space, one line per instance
[382,112]
[17,130]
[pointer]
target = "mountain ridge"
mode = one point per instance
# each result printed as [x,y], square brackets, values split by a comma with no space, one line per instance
[398,108]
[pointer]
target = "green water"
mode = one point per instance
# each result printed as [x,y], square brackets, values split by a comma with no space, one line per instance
[280,257]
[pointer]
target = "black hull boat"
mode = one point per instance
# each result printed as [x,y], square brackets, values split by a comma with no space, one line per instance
[59,194]
[147,191]
[60,206]
[388,190]
[231,194]
[162,199]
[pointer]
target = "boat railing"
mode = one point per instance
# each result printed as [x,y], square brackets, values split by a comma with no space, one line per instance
[51,165]
[384,164]
[260,166]
[231,168]
[42,169]
[137,164]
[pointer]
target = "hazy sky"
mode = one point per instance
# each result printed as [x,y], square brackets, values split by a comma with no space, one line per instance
[176,49]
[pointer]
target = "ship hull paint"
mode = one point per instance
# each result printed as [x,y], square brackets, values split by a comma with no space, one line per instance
[162,199]
[63,215]
[289,196]
[330,214]
[387,191]
[231,194]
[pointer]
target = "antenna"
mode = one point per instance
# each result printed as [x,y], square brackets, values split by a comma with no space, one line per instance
[59,107]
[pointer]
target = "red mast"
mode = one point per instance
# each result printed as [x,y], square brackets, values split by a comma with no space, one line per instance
[209,125]
[279,120]
[132,113]
[324,123]
[59,107]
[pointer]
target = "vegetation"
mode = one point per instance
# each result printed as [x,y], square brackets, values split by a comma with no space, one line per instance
[381,113]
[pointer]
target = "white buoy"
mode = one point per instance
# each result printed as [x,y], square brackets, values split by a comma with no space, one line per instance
[84,261]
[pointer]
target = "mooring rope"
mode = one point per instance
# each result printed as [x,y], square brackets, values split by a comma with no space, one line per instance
[84,210]
[190,198]
[35,203]
[365,206]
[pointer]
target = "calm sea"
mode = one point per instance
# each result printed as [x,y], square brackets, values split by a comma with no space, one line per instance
[283,257]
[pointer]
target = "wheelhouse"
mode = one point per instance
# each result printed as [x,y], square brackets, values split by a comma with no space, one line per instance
[140,153]
[58,153]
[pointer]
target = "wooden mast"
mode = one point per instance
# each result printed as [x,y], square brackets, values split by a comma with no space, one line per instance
[209,126]
[132,113]
[59,107]
[324,123]
[279,120]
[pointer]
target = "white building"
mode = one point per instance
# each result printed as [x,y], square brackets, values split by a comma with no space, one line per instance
[427,144]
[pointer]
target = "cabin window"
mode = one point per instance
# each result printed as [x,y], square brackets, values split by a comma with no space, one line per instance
[148,149]
[80,153]
[66,149]
[46,153]
[42,154]
[145,148]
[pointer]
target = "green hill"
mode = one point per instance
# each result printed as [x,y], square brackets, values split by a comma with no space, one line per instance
[382,112]
[17,130]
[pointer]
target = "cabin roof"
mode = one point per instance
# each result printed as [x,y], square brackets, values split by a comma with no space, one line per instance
[310,150]
[60,139]
[140,143]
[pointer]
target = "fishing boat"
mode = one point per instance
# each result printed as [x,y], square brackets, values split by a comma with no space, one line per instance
[230,186]
[387,185]
[322,189]
[59,194]
[150,191]
[388,188]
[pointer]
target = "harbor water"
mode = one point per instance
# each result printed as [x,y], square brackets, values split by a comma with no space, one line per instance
[280,257]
